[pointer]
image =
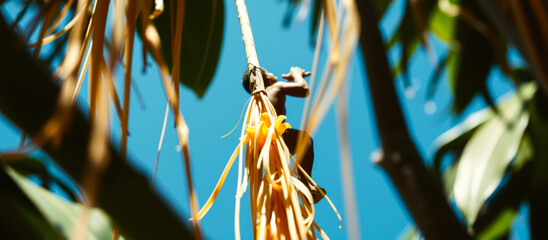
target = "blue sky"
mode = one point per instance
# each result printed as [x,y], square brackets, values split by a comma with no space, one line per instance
[381,212]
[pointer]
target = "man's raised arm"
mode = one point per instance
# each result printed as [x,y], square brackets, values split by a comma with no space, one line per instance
[296,85]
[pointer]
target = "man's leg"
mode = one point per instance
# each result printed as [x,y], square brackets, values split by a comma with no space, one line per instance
[291,136]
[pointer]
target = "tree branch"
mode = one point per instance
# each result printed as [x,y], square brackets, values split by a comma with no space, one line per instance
[422,195]
[28,97]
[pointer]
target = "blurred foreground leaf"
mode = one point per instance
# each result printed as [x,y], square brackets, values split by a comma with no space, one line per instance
[442,25]
[410,233]
[29,166]
[488,153]
[495,218]
[28,97]
[500,226]
[62,214]
[455,139]
[19,217]
[202,39]
[471,66]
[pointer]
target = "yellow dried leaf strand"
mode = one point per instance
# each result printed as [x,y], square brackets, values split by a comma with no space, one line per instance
[53,36]
[281,205]
[177,45]
[99,108]
[218,187]
[80,80]
[128,67]
[153,40]
[323,193]
[61,15]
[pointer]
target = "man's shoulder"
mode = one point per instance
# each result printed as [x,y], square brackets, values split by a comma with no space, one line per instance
[276,87]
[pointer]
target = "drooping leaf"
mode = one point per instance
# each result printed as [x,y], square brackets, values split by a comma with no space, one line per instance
[202,39]
[29,166]
[525,152]
[498,212]
[316,13]
[442,25]
[409,40]
[62,214]
[453,141]
[456,138]
[448,179]
[407,34]
[289,12]
[488,153]
[381,6]
[436,75]
[472,64]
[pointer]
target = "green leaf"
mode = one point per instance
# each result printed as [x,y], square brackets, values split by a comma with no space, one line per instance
[525,152]
[442,25]
[455,139]
[436,75]
[381,6]
[29,166]
[410,233]
[407,36]
[500,226]
[316,11]
[471,66]
[494,218]
[19,217]
[61,213]
[201,46]
[488,153]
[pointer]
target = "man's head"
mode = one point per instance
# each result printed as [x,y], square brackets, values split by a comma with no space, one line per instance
[268,79]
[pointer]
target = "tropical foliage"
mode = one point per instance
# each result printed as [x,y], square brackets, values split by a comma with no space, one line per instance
[489,166]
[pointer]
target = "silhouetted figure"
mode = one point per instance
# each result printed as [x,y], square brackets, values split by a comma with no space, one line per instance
[277,91]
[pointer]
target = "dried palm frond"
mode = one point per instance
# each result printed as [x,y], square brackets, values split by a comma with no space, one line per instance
[86,48]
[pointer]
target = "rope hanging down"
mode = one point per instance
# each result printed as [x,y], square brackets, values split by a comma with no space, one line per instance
[249,45]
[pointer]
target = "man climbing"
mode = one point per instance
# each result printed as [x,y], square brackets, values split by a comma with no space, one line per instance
[277,91]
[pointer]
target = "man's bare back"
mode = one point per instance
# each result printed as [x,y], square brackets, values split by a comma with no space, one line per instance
[277,90]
